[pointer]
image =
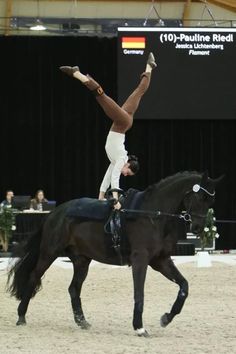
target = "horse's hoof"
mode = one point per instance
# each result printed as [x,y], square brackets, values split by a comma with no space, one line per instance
[21,321]
[141,332]
[81,322]
[84,324]
[164,321]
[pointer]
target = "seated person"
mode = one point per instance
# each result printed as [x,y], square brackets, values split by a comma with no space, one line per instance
[39,199]
[8,200]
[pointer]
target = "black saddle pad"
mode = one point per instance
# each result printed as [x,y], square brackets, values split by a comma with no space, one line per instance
[90,208]
[133,201]
[94,209]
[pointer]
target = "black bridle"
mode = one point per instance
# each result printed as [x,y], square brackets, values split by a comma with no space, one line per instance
[195,189]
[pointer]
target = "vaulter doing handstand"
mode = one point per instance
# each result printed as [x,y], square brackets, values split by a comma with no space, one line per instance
[122,117]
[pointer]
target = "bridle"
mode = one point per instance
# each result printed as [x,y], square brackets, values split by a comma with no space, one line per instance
[196,188]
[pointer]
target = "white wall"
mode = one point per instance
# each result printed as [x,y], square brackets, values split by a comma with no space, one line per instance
[118,9]
[106,9]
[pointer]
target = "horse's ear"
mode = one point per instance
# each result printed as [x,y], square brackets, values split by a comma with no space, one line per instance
[204,178]
[217,180]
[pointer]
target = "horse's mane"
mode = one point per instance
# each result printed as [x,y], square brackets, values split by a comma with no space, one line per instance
[170,179]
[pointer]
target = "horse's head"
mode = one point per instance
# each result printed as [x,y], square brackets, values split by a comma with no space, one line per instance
[198,200]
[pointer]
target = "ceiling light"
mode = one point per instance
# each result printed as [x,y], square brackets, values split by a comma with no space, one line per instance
[38,26]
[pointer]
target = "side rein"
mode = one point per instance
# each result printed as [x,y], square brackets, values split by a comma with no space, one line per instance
[185,215]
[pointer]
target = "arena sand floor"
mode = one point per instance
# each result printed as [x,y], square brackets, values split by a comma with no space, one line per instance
[206,324]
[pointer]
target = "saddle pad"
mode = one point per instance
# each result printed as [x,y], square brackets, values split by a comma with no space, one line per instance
[133,199]
[90,208]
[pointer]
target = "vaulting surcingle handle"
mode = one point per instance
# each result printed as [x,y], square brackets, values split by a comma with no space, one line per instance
[118,190]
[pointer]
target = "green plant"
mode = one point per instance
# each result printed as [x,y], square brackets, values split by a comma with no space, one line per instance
[7,225]
[210,230]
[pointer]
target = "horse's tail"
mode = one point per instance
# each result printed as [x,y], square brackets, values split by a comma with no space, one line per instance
[18,275]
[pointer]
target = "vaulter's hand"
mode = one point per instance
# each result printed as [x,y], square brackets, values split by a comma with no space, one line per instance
[117,206]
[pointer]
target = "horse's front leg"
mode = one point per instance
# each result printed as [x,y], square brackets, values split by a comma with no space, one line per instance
[139,270]
[168,269]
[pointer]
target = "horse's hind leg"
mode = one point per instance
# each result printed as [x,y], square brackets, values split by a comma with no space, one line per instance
[168,269]
[81,265]
[42,265]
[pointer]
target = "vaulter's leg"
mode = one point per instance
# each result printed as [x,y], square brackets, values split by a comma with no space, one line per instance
[132,102]
[81,266]
[122,117]
[166,267]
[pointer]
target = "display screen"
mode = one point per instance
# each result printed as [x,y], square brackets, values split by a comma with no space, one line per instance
[195,76]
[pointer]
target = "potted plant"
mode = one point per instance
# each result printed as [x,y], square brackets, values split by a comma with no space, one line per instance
[7,225]
[209,234]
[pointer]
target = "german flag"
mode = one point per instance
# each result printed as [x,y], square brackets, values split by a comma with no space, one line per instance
[133,42]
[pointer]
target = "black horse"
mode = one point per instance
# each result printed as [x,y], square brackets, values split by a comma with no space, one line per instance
[151,241]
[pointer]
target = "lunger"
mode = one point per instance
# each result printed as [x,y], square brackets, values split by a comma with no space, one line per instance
[122,117]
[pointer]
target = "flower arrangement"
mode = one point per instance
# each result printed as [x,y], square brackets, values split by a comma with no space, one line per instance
[7,225]
[210,230]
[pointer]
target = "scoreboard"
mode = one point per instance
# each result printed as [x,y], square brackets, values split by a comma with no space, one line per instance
[195,76]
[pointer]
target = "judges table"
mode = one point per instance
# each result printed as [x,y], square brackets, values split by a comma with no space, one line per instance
[27,223]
